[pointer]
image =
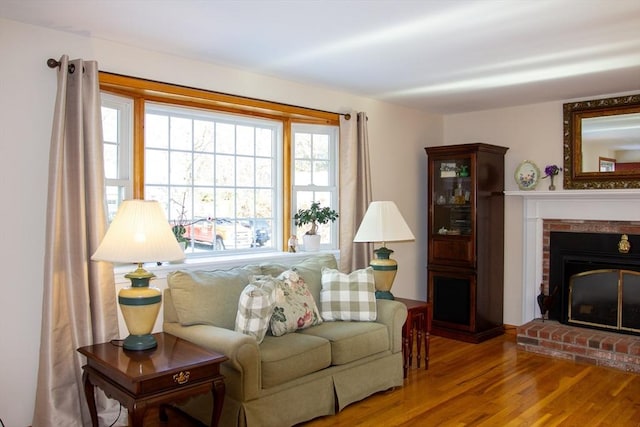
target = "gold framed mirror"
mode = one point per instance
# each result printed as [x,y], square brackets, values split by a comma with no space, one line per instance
[602,143]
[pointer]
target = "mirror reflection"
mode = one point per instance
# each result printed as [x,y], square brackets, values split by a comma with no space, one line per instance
[611,143]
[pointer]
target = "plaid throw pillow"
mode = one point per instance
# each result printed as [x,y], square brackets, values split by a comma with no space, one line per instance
[348,296]
[255,307]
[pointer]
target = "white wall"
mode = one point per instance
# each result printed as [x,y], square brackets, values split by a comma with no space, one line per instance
[532,132]
[27,94]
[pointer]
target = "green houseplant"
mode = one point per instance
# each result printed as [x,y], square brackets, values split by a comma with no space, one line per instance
[314,216]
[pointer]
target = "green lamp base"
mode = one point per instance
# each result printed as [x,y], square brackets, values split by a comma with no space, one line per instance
[384,295]
[139,342]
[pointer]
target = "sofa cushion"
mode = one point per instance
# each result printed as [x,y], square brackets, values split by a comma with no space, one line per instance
[292,356]
[310,269]
[348,296]
[255,307]
[294,307]
[209,297]
[352,340]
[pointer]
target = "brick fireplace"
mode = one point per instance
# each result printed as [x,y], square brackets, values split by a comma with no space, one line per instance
[579,211]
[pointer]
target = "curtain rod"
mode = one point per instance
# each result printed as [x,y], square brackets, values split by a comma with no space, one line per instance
[52,63]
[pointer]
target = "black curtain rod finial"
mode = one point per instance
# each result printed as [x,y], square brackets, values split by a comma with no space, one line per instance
[52,63]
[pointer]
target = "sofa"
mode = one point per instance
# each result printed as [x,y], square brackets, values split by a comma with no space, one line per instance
[299,375]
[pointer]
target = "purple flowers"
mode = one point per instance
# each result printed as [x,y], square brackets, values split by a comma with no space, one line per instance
[551,170]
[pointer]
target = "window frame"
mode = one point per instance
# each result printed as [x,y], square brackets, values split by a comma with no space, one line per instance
[141,91]
[331,186]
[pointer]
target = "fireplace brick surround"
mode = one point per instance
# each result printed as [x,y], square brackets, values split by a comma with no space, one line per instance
[579,226]
[554,339]
[600,211]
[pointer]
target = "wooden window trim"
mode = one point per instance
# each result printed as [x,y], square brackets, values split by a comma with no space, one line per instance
[142,90]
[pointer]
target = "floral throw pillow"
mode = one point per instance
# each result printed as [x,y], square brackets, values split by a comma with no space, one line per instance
[255,307]
[295,307]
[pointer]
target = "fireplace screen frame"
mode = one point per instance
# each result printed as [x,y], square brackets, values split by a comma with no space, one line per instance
[620,275]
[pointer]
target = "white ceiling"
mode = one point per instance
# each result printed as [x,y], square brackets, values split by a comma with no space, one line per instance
[442,56]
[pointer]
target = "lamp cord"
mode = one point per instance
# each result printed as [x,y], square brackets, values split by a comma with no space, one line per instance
[119,413]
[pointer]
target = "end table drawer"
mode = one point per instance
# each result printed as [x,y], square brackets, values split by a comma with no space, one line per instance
[170,380]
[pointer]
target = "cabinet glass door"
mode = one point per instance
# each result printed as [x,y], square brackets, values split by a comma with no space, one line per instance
[452,197]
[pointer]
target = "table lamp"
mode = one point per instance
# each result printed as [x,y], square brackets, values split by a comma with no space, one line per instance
[384,223]
[139,233]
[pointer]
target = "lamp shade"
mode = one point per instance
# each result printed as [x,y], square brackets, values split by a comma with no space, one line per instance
[383,222]
[139,233]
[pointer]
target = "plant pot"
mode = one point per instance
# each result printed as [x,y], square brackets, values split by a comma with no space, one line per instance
[311,242]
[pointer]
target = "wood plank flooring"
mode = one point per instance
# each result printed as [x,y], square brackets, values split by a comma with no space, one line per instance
[492,384]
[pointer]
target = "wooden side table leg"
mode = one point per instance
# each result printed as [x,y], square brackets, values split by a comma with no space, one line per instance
[420,327]
[162,413]
[427,336]
[136,414]
[90,397]
[218,400]
[406,332]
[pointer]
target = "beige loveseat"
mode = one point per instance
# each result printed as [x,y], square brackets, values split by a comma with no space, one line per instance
[287,379]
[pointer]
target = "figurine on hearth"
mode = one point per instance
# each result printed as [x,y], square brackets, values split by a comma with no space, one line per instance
[293,244]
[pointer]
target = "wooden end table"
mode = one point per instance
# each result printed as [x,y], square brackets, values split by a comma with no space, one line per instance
[418,323]
[174,370]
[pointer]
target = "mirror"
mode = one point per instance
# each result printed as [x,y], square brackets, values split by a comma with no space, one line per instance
[602,143]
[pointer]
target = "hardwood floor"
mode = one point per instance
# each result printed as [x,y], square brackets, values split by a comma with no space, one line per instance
[493,384]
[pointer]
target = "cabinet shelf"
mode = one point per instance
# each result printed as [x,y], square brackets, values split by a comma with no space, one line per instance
[465,255]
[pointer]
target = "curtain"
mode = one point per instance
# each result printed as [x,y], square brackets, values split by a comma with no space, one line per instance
[355,190]
[79,301]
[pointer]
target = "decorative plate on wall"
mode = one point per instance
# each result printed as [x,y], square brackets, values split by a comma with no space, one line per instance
[527,175]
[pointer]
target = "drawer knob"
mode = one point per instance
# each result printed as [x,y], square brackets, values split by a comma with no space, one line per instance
[182,377]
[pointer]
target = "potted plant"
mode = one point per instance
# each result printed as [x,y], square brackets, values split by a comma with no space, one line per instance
[314,216]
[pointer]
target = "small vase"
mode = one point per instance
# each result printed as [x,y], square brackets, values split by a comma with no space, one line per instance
[551,186]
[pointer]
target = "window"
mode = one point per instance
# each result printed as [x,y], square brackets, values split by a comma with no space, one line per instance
[315,174]
[116,130]
[230,171]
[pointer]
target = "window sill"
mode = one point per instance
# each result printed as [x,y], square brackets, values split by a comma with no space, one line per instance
[218,263]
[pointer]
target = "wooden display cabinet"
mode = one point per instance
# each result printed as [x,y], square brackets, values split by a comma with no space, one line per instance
[466,240]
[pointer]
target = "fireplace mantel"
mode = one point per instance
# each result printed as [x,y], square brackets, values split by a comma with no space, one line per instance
[604,205]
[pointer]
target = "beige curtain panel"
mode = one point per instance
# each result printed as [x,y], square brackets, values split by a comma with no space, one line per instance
[355,190]
[79,301]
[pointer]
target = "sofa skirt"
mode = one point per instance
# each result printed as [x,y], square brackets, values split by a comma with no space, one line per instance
[320,394]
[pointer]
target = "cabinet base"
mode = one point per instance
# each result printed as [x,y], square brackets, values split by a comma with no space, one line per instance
[472,337]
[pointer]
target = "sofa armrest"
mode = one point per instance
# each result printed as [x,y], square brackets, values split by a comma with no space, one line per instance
[393,314]
[241,350]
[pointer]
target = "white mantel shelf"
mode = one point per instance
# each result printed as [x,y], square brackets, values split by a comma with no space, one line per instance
[576,194]
[603,205]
